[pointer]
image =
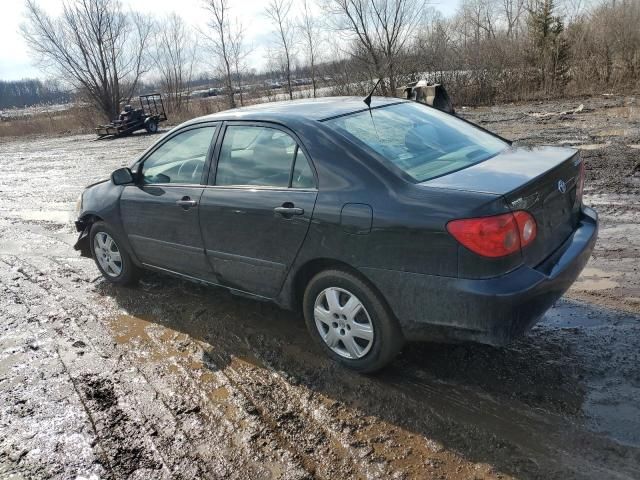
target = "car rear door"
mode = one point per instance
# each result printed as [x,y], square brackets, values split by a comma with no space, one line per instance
[256,211]
[160,212]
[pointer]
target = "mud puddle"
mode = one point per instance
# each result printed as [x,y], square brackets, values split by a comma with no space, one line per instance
[595,279]
[54,216]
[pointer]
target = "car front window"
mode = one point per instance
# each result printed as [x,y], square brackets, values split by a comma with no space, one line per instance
[421,141]
[180,159]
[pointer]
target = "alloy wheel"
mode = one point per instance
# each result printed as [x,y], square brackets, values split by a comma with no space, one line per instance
[107,254]
[343,323]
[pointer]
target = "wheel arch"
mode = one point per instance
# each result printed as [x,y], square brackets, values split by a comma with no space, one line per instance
[311,268]
[86,222]
[88,219]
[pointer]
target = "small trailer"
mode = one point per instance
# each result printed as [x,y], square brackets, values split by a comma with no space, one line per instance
[148,116]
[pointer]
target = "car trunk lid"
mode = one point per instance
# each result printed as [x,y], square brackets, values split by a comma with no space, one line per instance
[542,181]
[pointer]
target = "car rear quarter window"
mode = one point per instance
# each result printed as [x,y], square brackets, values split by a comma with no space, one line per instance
[421,141]
[302,175]
[261,156]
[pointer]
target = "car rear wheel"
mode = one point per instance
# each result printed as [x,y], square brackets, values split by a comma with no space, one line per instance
[151,126]
[112,260]
[350,321]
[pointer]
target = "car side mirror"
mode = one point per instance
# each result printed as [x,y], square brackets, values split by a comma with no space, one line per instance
[122,176]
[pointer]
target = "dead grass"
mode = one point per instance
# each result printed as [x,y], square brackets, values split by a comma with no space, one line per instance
[77,119]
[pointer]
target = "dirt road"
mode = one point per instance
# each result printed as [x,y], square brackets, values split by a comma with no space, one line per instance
[172,380]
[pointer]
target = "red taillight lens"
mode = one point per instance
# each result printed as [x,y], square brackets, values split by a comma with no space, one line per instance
[580,187]
[495,236]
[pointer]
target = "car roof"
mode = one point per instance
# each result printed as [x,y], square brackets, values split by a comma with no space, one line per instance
[308,108]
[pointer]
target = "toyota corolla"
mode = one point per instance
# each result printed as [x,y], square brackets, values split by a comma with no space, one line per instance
[381,224]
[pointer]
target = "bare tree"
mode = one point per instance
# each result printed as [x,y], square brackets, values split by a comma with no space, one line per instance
[481,15]
[513,11]
[381,29]
[278,12]
[573,9]
[174,55]
[94,45]
[310,28]
[238,53]
[220,40]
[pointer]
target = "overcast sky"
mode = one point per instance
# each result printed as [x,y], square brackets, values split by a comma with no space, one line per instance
[16,62]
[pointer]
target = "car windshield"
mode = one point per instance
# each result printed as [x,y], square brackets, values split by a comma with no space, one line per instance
[421,141]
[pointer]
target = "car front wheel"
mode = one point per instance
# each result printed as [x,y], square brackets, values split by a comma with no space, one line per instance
[112,260]
[350,321]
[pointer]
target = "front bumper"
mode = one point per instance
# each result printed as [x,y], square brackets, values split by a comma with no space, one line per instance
[82,244]
[492,311]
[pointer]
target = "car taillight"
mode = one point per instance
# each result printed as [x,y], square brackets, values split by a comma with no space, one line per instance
[495,236]
[580,187]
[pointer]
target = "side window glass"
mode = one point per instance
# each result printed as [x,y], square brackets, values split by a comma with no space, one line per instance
[253,155]
[302,174]
[181,159]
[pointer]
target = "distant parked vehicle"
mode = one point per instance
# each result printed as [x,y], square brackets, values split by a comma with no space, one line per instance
[148,116]
[381,223]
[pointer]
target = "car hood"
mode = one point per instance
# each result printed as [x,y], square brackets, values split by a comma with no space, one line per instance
[97,183]
[505,172]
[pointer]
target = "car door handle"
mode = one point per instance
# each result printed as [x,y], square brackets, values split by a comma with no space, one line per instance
[186,203]
[287,211]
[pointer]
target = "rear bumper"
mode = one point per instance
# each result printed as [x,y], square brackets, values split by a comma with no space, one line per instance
[492,311]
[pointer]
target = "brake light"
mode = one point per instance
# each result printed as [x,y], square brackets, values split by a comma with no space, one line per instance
[495,236]
[580,187]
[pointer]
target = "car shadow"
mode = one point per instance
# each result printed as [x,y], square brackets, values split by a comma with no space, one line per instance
[498,406]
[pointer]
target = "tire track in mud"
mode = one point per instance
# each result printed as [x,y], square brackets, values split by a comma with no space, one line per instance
[130,445]
[115,427]
[320,450]
[530,434]
[212,397]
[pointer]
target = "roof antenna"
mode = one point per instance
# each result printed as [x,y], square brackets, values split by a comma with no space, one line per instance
[367,99]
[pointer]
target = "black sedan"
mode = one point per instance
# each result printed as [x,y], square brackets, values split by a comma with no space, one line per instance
[384,224]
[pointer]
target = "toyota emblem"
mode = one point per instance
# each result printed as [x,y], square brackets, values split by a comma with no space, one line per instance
[562,187]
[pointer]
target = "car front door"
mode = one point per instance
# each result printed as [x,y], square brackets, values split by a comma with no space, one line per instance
[160,212]
[256,211]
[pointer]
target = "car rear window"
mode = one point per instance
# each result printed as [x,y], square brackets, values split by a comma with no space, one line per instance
[421,141]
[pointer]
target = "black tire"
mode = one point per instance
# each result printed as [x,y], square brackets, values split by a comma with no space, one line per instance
[387,338]
[151,126]
[129,272]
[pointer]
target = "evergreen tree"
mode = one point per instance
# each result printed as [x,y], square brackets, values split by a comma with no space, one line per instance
[549,51]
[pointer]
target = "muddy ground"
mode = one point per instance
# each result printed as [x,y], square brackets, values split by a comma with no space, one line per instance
[172,380]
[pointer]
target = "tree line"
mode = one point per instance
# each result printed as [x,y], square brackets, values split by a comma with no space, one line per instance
[488,51]
[28,92]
